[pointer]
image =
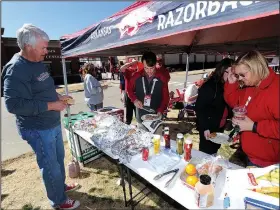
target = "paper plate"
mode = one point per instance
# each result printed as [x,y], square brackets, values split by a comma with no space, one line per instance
[150,117]
[104,110]
[221,138]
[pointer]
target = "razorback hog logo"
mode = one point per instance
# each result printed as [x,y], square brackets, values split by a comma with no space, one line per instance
[131,23]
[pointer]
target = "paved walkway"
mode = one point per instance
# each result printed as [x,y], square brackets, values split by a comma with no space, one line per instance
[80,86]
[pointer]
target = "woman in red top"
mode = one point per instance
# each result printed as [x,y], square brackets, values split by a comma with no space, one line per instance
[127,70]
[260,130]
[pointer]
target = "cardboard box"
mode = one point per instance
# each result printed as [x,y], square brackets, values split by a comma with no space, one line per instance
[85,152]
[243,182]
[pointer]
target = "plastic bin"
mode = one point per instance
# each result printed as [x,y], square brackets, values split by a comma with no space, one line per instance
[85,152]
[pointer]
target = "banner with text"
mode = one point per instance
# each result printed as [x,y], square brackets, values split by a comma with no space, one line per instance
[158,19]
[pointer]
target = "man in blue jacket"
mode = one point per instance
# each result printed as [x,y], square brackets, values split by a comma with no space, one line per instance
[30,95]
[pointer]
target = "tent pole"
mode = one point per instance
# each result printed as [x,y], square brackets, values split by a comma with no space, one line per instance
[71,133]
[64,76]
[66,88]
[187,71]
[203,66]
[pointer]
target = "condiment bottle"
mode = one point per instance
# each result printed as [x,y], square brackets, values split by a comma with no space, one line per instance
[204,192]
[166,137]
[156,144]
[180,142]
[188,149]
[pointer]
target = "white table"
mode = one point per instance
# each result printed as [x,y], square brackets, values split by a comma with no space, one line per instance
[176,190]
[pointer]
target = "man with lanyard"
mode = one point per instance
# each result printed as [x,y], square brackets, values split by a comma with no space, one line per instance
[160,68]
[148,88]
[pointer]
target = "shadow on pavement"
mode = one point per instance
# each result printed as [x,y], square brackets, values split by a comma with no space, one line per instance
[89,201]
[7,172]
[3,196]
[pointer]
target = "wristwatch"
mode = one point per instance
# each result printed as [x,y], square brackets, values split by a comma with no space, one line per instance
[255,127]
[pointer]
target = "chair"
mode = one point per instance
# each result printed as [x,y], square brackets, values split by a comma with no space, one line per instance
[189,108]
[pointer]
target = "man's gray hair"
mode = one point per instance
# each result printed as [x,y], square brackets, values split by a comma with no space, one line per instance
[29,34]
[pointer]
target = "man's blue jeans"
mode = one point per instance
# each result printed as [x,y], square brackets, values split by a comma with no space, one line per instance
[49,149]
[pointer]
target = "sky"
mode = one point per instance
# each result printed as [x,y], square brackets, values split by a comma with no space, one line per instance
[56,18]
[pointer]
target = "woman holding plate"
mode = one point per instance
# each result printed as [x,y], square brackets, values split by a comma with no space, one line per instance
[211,108]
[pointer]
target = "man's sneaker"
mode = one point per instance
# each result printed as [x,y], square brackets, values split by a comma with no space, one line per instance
[72,187]
[69,204]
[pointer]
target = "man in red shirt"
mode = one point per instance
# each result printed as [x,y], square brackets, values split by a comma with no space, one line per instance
[160,67]
[148,88]
[161,70]
[127,72]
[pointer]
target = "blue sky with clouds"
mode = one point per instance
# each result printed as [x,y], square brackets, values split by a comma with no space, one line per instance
[57,18]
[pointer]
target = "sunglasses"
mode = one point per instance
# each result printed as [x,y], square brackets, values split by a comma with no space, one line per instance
[241,75]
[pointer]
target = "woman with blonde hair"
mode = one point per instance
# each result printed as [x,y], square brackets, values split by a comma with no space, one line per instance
[93,90]
[260,129]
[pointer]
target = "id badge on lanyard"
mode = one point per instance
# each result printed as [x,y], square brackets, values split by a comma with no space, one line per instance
[148,97]
[147,100]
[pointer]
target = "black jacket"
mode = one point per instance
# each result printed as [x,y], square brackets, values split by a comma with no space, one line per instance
[210,106]
[122,81]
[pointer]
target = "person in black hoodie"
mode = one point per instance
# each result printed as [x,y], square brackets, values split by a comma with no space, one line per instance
[211,108]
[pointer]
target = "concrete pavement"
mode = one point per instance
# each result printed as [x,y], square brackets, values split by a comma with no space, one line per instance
[80,86]
[11,143]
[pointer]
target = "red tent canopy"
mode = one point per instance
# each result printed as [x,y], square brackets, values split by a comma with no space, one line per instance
[166,27]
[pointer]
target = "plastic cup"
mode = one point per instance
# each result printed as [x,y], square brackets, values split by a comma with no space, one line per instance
[239,112]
